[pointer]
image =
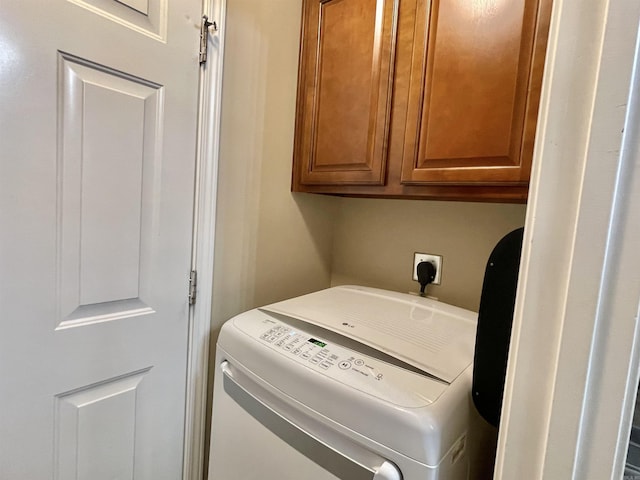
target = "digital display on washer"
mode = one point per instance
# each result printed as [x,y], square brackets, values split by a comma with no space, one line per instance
[317,342]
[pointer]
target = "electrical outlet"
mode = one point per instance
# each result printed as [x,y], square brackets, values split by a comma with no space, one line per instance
[436,260]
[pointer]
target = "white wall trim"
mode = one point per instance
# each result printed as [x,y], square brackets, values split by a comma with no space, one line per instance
[210,102]
[573,366]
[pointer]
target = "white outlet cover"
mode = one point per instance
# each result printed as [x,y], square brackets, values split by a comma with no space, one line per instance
[428,257]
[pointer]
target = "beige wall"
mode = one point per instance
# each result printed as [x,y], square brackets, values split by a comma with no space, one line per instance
[374,242]
[270,243]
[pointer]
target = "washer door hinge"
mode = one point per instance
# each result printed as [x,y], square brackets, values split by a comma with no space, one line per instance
[193,284]
[204,37]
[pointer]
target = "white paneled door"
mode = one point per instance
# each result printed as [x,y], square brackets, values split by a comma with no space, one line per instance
[98,111]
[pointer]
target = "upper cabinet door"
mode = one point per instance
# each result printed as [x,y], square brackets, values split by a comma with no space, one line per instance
[344,91]
[474,91]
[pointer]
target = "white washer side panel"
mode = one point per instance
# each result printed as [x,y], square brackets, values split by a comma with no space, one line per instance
[242,448]
[255,437]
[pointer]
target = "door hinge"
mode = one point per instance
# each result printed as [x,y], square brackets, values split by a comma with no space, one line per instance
[193,284]
[204,37]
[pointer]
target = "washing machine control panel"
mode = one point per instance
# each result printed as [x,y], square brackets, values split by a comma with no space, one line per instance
[310,349]
[348,366]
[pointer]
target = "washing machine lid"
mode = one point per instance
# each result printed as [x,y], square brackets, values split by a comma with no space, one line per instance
[429,335]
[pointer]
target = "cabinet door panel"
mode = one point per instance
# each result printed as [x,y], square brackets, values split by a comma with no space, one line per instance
[344,91]
[473,97]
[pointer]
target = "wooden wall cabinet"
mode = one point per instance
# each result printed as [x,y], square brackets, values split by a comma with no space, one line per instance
[345,90]
[420,99]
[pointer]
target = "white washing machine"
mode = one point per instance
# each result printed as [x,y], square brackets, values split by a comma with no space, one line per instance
[348,383]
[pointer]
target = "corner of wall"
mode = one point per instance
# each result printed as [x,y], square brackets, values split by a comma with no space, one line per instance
[270,243]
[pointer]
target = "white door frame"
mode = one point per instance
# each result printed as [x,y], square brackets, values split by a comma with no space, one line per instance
[204,217]
[574,362]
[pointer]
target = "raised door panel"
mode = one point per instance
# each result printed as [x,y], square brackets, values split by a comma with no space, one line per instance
[474,91]
[148,17]
[108,164]
[344,91]
[95,429]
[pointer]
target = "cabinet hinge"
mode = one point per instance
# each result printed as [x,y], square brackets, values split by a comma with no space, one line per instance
[204,37]
[193,284]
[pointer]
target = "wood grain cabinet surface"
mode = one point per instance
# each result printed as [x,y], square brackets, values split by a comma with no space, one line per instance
[429,99]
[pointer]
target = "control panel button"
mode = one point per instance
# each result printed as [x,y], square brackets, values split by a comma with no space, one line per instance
[359,362]
[344,365]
